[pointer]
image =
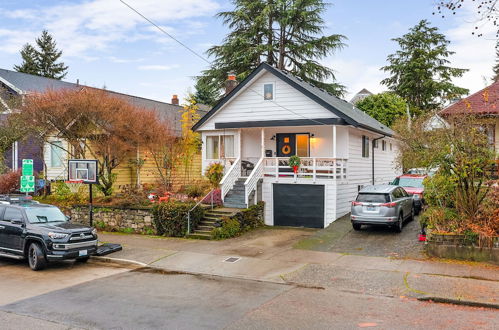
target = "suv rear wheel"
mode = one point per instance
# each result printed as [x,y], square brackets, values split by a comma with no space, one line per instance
[36,257]
[356,226]
[400,223]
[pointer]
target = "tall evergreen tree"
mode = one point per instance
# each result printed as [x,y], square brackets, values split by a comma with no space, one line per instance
[205,94]
[29,57]
[419,70]
[42,61]
[495,68]
[287,34]
[48,55]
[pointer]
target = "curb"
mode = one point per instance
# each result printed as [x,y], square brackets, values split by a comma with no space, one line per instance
[121,262]
[441,300]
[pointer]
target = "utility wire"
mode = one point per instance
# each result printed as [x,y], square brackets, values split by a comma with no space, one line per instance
[204,59]
[168,34]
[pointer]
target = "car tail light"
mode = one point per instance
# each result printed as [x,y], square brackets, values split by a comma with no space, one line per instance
[354,203]
[392,204]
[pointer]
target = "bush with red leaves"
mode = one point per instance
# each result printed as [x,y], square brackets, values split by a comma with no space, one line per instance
[9,182]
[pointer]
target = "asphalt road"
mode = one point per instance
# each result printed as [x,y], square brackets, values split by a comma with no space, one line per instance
[375,241]
[148,300]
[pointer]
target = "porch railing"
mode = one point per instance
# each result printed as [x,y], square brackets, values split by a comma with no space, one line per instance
[230,177]
[252,181]
[310,168]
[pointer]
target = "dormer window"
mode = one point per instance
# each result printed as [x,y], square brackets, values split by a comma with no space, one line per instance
[268,92]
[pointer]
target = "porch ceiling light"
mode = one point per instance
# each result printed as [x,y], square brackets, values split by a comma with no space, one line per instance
[272,138]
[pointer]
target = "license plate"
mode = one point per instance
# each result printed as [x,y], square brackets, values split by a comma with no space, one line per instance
[82,253]
[371,208]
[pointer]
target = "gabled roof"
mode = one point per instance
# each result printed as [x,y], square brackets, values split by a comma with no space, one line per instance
[341,108]
[360,96]
[483,102]
[25,83]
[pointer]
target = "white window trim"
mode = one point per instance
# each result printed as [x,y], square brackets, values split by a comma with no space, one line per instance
[52,145]
[219,146]
[273,91]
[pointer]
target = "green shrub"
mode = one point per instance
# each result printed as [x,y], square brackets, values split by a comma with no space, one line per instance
[440,190]
[443,220]
[247,219]
[252,217]
[194,190]
[230,228]
[170,218]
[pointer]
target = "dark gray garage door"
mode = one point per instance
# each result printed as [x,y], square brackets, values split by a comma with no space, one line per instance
[299,205]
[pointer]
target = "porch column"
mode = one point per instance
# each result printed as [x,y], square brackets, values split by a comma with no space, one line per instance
[263,142]
[334,141]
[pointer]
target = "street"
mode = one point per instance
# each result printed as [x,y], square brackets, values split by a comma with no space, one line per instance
[98,296]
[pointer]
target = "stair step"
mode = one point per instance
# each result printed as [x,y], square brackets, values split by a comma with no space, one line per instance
[212,217]
[199,236]
[235,206]
[202,232]
[204,227]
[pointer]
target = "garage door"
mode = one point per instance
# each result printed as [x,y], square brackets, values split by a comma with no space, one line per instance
[299,205]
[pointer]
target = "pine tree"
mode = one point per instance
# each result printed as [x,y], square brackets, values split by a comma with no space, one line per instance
[419,70]
[48,55]
[30,59]
[42,61]
[496,66]
[205,94]
[287,34]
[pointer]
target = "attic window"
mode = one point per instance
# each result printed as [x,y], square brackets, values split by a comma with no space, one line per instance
[268,92]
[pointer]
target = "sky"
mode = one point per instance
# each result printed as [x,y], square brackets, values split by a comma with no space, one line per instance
[104,43]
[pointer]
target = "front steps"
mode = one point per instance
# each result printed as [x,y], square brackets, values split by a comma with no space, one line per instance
[207,224]
[235,197]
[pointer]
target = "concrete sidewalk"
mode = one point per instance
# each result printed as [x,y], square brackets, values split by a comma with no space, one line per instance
[265,259]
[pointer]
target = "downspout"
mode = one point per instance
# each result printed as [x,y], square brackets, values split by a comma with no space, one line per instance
[372,158]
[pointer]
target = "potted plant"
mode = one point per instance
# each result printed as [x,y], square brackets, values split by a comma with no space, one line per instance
[294,163]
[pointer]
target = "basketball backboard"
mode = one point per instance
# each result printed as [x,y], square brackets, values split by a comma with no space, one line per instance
[83,170]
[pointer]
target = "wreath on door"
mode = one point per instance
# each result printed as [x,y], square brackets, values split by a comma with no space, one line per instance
[286,149]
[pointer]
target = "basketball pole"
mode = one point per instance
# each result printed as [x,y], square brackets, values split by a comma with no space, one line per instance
[90,206]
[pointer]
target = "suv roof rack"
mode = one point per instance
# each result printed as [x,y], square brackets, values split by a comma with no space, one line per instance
[16,199]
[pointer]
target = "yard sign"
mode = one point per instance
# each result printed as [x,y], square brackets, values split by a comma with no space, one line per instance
[27,178]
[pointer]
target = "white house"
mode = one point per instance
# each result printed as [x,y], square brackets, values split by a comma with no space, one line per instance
[272,115]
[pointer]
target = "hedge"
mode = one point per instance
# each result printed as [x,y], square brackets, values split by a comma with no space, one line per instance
[247,219]
[170,218]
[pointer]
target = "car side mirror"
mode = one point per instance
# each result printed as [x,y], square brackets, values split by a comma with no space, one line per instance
[17,221]
[68,218]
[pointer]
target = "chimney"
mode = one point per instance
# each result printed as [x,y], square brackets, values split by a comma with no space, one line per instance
[230,83]
[175,99]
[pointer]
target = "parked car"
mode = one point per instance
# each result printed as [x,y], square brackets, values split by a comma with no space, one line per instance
[413,184]
[42,233]
[386,205]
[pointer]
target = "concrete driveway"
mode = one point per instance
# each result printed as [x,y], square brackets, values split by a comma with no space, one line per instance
[370,240]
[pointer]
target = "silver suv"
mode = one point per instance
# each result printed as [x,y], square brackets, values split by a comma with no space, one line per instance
[386,205]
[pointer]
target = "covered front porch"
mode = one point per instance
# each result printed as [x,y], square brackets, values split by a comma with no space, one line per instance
[253,154]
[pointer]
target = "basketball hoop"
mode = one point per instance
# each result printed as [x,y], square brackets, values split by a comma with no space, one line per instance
[74,185]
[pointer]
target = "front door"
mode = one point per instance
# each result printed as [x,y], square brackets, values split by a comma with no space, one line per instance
[286,144]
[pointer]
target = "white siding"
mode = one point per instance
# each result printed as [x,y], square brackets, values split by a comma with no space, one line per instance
[249,105]
[360,168]
[60,172]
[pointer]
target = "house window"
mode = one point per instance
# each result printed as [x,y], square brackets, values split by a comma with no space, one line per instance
[56,154]
[268,92]
[391,146]
[383,145]
[375,143]
[219,146]
[365,146]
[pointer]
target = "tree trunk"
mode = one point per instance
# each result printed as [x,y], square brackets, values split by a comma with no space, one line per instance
[270,35]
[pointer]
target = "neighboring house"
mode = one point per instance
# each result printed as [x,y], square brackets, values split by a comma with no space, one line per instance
[360,96]
[485,105]
[272,115]
[54,161]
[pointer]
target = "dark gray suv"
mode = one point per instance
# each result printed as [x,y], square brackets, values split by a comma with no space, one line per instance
[385,205]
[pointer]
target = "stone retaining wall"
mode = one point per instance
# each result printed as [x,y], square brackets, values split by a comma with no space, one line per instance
[452,246]
[135,220]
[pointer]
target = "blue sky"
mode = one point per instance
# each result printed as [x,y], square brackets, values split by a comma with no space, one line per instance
[106,44]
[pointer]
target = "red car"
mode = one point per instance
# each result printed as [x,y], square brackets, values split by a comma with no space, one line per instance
[413,184]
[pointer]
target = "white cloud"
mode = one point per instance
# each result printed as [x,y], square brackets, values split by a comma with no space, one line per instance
[157,67]
[96,24]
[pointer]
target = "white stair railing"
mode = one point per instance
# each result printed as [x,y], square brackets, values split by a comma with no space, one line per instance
[252,181]
[230,177]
